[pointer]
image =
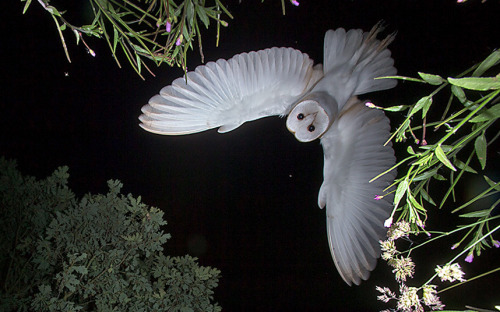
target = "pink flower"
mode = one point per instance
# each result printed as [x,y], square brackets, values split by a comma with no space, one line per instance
[168,27]
[295,2]
[496,243]
[469,257]
[455,246]
[378,197]
[179,40]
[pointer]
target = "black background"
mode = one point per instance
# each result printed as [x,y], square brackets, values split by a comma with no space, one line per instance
[245,201]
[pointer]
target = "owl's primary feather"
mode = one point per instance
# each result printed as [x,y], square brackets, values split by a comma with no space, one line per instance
[322,104]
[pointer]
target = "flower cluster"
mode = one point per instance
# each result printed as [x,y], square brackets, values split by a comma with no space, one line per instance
[450,272]
[400,229]
[403,268]
[386,294]
[388,249]
[408,299]
[430,297]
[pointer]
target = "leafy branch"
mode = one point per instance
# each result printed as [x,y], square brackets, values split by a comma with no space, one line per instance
[468,127]
[161,31]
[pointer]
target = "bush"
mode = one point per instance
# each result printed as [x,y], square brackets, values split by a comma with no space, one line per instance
[102,252]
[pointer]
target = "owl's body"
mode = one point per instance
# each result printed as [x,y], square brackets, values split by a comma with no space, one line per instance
[320,102]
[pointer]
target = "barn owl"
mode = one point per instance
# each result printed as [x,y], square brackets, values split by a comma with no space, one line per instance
[320,102]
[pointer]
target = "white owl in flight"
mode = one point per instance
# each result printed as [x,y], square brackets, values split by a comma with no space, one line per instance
[320,102]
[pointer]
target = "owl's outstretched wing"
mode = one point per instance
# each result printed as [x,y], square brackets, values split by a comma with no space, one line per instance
[354,154]
[352,61]
[228,93]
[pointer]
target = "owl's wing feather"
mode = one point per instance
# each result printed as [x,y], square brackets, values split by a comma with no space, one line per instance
[227,93]
[352,61]
[354,154]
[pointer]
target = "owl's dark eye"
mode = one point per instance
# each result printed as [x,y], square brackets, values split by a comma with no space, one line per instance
[300,116]
[311,128]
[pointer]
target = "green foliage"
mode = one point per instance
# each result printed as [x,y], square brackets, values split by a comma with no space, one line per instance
[159,30]
[458,142]
[99,253]
[474,116]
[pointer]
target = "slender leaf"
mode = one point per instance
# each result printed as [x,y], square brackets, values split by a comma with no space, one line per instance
[415,203]
[26,6]
[203,15]
[439,177]
[442,157]
[480,146]
[190,12]
[425,175]
[426,107]
[459,93]
[431,79]
[425,101]
[462,166]
[53,10]
[219,4]
[492,60]
[115,39]
[492,183]
[491,113]
[400,191]
[479,84]
[426,196]
[423,160]
[477,214]
[397,108]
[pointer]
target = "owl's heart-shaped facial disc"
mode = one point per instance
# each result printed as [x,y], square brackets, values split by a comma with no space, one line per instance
[312,116]
[308,121]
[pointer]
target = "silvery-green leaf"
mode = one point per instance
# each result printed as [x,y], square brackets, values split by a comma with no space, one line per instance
[425,101]
[459,93]
[479,84]
[492,60]
[489,114]
[462,166]
[480,147]
[431,78]
[442,158]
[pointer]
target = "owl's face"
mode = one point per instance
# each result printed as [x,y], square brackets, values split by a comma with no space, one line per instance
[311,117]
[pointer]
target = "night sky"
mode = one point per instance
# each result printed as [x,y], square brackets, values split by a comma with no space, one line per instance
[246,201]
